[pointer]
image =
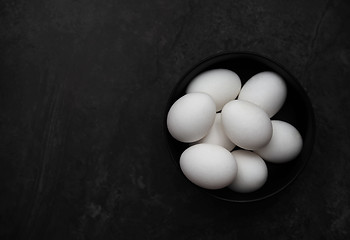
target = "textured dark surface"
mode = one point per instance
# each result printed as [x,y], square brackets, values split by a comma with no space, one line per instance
[83,90]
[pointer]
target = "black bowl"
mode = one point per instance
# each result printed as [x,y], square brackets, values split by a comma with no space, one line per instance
[297,110]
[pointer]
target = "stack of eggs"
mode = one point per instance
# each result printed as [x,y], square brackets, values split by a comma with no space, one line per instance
[230,131]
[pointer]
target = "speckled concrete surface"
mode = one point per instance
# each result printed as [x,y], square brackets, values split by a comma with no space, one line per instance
[83,89]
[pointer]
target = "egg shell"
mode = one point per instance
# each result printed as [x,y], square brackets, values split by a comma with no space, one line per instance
[208,166]
[285,144]
[246,125]
[267,90]
[217,136]
[222,85]
[251,174]
[191,116]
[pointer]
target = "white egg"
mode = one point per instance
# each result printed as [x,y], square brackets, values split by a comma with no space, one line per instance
[246,125]
[191,116]
[267,90]
[286,143]
[208,166]
[251,174]
[222,85]
[217,135]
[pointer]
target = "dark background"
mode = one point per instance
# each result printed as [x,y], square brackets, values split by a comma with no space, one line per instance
[84,85]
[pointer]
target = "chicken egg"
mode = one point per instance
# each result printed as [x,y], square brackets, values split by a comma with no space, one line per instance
[191,116]
[267,90]
[246,125]
[251,172]
[222,85]
[208,166]
[216,135]
[285,144]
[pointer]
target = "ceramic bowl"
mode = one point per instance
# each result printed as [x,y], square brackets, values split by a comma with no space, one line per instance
[297,110]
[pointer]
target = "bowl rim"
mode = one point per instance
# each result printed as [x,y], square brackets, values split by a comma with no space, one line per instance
[305,98]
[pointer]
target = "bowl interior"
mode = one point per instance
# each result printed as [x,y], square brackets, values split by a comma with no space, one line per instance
[297,110]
